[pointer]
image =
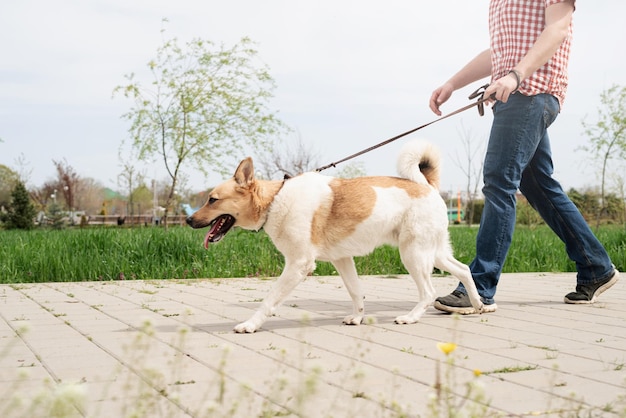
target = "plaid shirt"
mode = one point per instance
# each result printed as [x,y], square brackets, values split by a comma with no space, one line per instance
[514,26]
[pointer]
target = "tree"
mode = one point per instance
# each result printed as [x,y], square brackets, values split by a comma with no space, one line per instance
[621,193]
[129,179]
[607,136]
[21,212]
[55,216]
[204,104]
[23,171]
[44,194]
[296,158]
[69,182]
[8,180]
[92,194]
[289,160]
[471,170]
[351,170]
[142,198]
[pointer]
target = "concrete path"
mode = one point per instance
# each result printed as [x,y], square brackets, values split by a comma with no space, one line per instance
[166,349]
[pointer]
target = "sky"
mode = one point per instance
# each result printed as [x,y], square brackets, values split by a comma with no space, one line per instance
[349,74]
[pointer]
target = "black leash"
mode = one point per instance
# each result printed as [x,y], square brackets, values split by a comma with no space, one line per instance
[481,111]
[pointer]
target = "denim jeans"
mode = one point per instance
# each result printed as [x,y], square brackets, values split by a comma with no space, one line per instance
[519,157]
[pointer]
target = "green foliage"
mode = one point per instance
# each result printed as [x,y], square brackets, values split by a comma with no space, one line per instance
[55,216]
[8,180]
[142,196]
[476,211]
[538,249]
[351,170]
[587,203]
[21,212]
[526,214]
[607,138]
[74,254]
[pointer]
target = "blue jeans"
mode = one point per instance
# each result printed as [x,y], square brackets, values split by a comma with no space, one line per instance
[519,157]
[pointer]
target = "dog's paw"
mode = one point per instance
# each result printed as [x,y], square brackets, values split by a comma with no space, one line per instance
[245,328]
[405,319]
[353,320]
[477,303]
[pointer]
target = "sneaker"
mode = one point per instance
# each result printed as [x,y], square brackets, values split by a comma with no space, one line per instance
[459,302]
[588,293]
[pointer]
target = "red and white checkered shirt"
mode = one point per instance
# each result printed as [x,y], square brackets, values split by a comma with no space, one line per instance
[514,26]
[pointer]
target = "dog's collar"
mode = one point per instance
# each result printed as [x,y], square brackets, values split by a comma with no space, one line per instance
[285,178]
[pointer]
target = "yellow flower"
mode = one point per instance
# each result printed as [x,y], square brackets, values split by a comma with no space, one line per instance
[446,348]
[477,372]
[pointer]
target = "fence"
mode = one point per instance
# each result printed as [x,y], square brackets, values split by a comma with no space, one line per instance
[134,220]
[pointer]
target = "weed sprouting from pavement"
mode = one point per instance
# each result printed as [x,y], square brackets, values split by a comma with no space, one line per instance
[153,380]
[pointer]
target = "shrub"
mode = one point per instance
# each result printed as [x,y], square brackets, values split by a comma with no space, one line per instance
[21,212]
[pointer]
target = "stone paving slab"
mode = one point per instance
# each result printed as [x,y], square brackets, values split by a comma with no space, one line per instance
[166,349]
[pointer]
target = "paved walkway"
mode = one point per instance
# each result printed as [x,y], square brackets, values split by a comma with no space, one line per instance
[166,349]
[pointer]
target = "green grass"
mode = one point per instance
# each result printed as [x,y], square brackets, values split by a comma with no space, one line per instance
[538,249]
[153,253]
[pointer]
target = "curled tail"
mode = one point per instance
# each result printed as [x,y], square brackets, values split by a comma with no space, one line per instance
[419,161]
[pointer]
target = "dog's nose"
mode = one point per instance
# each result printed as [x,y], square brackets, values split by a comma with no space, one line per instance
[189,221]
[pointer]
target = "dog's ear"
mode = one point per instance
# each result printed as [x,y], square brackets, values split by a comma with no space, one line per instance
[244,175]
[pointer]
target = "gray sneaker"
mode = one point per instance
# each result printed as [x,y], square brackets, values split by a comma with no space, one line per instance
[588,293]
[459,302]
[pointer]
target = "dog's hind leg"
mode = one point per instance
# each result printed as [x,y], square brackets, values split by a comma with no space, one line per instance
[347,270]
[419,264]
[445,261]
[292,275]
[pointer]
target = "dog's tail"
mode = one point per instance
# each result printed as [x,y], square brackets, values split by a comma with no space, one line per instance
[419,161]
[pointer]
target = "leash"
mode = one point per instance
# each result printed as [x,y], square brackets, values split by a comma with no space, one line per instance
[478,93]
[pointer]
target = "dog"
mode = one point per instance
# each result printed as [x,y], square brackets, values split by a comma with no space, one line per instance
[313,217]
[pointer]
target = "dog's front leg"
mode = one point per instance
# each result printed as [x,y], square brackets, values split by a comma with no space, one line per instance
[347,270]
[293,273]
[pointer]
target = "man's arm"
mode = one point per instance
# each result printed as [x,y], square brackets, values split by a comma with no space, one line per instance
[477,68]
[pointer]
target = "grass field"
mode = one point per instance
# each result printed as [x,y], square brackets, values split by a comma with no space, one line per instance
[154,253]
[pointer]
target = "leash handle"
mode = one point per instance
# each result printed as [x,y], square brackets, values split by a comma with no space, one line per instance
[478,93]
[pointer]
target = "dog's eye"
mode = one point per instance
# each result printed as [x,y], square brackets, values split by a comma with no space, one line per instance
[212,200]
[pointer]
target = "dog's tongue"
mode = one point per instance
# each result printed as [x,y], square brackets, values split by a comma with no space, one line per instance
[207,237]
[219,228]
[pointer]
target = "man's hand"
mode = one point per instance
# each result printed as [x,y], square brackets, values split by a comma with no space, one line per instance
[439,97]
[501,89]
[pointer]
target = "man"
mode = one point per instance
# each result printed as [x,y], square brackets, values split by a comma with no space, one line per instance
[527,61]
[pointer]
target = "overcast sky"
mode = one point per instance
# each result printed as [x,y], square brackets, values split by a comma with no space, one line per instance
[349,74]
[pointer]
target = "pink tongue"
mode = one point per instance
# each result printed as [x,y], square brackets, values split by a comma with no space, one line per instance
[207,237]
[211,233]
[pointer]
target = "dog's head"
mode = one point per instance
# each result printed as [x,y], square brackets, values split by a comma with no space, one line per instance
[232,203]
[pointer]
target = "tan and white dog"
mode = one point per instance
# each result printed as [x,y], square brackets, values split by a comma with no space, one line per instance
[315,217]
